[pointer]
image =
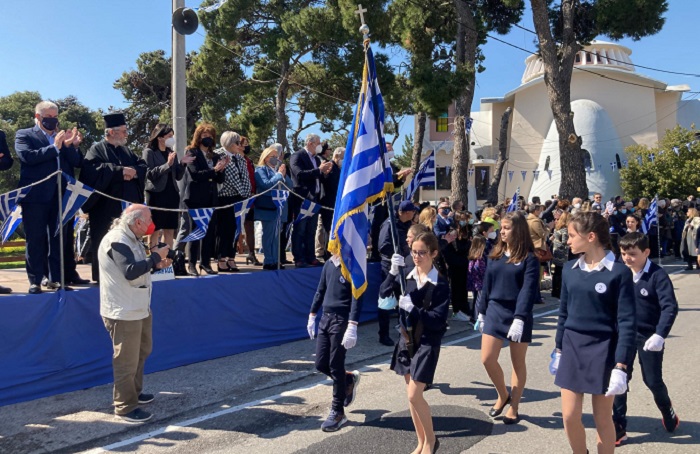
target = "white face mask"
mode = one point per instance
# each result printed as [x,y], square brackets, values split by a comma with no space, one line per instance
[319,149]
[170,142]
[577,205]
[390,154]
[491,236]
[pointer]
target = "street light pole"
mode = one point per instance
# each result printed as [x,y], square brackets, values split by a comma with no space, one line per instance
[179,84]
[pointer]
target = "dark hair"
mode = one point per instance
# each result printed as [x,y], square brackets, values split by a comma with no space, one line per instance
[585,222]
[636,218]
[197,137]
[484,227]
[430,240]
[476,251]
[521,241]
[160,130]
[634,239]
[462,232]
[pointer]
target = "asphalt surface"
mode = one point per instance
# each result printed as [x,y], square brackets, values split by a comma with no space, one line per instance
[272,401]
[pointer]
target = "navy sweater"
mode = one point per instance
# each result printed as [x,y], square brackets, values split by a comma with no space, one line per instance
[335,293]
[514,286]
[657,306]
[599,303]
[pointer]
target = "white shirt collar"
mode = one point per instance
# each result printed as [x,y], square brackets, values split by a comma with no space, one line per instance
[432,277]
[637,276]
[607,262]
[335,260]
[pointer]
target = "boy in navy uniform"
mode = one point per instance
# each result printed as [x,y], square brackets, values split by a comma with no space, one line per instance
[337,332]
[656,311]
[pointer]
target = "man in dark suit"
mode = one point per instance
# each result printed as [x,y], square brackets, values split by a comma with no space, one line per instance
[307,175]
[111,168]
[6,162]
[42,150]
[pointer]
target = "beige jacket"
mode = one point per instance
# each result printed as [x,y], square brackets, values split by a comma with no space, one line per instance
[538,231]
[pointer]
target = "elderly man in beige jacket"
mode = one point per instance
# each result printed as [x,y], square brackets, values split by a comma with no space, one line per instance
[125,305]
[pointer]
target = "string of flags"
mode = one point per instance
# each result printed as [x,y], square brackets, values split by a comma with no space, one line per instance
[210,8]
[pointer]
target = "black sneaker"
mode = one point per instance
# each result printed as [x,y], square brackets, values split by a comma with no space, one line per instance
[351,389]
[620,435]
[334,421]
[146,398]
[670,420]
[136,416]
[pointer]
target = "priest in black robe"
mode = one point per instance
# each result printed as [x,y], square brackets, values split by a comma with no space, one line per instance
[110,167]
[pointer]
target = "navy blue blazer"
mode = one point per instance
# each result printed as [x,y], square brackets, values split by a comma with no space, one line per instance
[38,159]
[6,160]
[305,176]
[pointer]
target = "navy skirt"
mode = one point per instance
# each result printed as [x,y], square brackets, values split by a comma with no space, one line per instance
[423,364]
[586,362]
[498,320]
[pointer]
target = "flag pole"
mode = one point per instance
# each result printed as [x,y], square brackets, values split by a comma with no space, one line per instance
[658,229]
[279,235]
[60,223]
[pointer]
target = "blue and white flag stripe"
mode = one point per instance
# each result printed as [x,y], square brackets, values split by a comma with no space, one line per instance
[241,209]
[514,202]
[363,180]
[75,196]
[11,223]
[650,220]
[424,177]
[10,200]
[308,209]
[201,218]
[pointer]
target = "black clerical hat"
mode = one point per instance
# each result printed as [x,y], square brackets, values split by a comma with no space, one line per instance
[114,120]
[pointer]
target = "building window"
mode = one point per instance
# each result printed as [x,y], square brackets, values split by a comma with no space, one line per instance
[617,160]
[577,59]
[546,164]
[443,179]
[588,57]
[481,182]
[441,123]
[587,159]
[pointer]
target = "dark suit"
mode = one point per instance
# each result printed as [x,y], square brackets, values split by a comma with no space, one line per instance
[307,180]
[39,159]
[6,160]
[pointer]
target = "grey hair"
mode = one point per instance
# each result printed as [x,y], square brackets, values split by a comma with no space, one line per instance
[279,147]
[127,218]
[338,152]
[229,138]
[310,138]
[44,106]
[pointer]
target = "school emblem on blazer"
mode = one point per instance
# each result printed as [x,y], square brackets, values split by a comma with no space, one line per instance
[644,292]
[342,280]
[600,287]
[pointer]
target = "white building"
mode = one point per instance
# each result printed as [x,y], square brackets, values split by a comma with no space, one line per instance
[614,107]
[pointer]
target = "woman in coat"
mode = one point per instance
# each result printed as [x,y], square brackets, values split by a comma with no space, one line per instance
[690,235]
[269,173]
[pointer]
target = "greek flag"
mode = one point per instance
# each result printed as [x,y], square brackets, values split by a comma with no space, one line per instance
[241,209]
[10,200]
[279,197]
[201,218]
[514,203]
[11,223]
[363,179]
[650,220]
[424,177]
[308,209]
[75,196]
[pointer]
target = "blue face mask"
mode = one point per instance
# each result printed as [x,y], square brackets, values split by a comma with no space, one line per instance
[631,210]
[462,223]
[471,222]
[623,211]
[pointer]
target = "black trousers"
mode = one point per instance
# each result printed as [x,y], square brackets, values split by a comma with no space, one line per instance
[40,223]
[330,355]
[651,364]
[556,281]
[304,240]
[226,228]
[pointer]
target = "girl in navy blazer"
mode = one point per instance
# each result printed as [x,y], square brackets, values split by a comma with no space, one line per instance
[596,331]
[510,289]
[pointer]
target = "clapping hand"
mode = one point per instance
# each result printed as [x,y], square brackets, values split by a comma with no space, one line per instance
[187,159]
[58,140]
[171,158]
[326,167]
[283,170]
[73,137]
[129,173]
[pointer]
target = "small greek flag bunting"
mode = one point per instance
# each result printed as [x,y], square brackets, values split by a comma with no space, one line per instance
[470,172]
[689,146]
[210,8]
[524,174]
[536,174]
[10,200]
[483,174]
[549,172]
[75,196]
[678,151]
[624,164]
[613,166]
[279,197]
[468,125]
[308,209]
[639,160]
[650,219]
[11,223]
[652,157]
[201,218]
[241,209]
[510,175]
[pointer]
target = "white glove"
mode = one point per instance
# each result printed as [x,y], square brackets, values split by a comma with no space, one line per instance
[479,323]
[405,303]
[311,326]
[350,336]
[618,383]
[554,363]
[515,333]
[654,344]
[397,261]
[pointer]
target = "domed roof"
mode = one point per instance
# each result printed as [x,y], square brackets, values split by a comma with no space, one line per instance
[597,53]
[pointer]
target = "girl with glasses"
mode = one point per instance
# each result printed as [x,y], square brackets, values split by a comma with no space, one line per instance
[510,289]
[423,322]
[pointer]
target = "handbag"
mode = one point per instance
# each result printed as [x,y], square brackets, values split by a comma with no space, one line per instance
[544,255]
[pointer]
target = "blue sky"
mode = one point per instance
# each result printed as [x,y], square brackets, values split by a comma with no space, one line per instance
[80,47]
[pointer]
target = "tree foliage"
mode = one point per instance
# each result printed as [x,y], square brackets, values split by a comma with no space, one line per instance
[669,175]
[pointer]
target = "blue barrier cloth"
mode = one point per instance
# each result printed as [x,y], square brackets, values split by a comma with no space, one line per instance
[51,345]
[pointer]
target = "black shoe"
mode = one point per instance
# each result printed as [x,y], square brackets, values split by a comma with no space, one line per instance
[192,269]
[34,289]
[57,286]
[334,421]
[136,416]
[508,421]
[77,280]
[497,411]
[386,340]
[689,268]
[207,269]
[5,290]
[670,420]
[437,445]
[146,398]
[351,389]
[286,262]
[620,435]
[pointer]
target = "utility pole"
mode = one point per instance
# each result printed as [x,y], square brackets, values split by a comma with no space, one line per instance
[179,86]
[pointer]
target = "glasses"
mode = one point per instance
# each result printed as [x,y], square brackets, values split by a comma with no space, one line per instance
[420,254]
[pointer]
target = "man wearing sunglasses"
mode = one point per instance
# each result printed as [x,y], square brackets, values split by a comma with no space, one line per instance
[444,222]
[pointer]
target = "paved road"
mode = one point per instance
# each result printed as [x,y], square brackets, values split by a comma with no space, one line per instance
[272,401]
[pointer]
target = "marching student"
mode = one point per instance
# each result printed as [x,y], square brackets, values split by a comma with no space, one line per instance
[337,332]
[595,338]
[505,306]
[656,311]
[423,322]
[476,272]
